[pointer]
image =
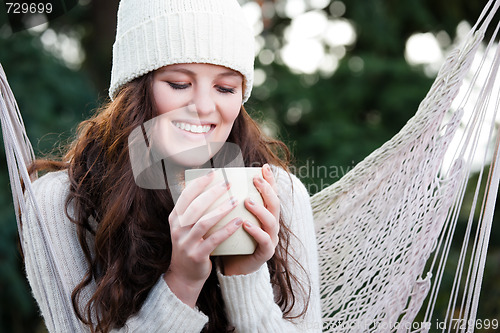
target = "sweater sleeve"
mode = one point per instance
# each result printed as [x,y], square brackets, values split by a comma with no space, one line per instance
[55,264]
[249,299]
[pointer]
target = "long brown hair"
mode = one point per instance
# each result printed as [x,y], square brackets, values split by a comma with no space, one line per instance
[123,229]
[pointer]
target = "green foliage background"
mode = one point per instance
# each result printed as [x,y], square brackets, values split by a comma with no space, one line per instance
[343,117]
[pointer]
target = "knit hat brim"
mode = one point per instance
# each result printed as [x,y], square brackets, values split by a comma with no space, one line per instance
[183,37]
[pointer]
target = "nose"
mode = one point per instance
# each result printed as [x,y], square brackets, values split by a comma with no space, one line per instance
[204,101]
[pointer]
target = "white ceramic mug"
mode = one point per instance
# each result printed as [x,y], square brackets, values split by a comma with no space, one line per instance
[242,187]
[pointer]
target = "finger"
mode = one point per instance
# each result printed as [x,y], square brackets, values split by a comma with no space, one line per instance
[209,220]
[269,196]
[202,202]
[215,239]
[191,191]
[264,241]
[269,222]
[268,175]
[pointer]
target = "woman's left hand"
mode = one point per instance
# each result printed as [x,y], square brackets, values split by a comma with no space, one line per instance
[267,236]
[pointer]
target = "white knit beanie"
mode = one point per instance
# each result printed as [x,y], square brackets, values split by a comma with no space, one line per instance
[154,33]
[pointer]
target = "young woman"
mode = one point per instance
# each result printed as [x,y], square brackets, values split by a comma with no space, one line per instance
[103,254]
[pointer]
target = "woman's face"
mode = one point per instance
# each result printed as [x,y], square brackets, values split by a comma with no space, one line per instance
[197,105]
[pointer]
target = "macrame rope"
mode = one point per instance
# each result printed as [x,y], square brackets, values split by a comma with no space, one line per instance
[474,128]
[489,88]
[379,224]
[19,153]
[18,149]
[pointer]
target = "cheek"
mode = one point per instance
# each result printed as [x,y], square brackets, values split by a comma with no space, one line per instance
[228,121]
[234,115]
[164,100]
[231,112]
[159,98]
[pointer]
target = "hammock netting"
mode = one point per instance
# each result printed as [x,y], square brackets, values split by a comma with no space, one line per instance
[385,229]
[379,226]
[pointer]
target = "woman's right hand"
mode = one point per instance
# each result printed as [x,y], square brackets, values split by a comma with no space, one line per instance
[190,265]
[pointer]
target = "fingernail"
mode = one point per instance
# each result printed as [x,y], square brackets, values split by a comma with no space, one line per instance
[251,202]
[248,224]
[225,184]
[238,221]
[234,201]
[267,169]
[260,180]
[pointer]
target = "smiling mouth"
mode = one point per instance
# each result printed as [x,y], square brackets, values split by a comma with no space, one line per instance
[196,129]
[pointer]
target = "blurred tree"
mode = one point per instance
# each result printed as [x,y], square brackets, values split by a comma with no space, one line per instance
[336,120]
[101,28]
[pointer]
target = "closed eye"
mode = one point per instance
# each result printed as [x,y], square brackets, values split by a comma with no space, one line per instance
[178,86]
[225,90]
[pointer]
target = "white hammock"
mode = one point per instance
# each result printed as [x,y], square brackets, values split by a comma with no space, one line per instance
[378,226]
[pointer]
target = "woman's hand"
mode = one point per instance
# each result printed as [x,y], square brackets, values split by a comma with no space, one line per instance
[267,236]
[190,265]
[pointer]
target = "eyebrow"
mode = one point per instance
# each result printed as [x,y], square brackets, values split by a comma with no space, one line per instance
[229,72]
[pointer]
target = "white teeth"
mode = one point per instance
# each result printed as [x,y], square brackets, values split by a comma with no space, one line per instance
[193,128]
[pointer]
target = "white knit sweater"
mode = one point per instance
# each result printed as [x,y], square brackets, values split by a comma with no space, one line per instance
[249,298]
